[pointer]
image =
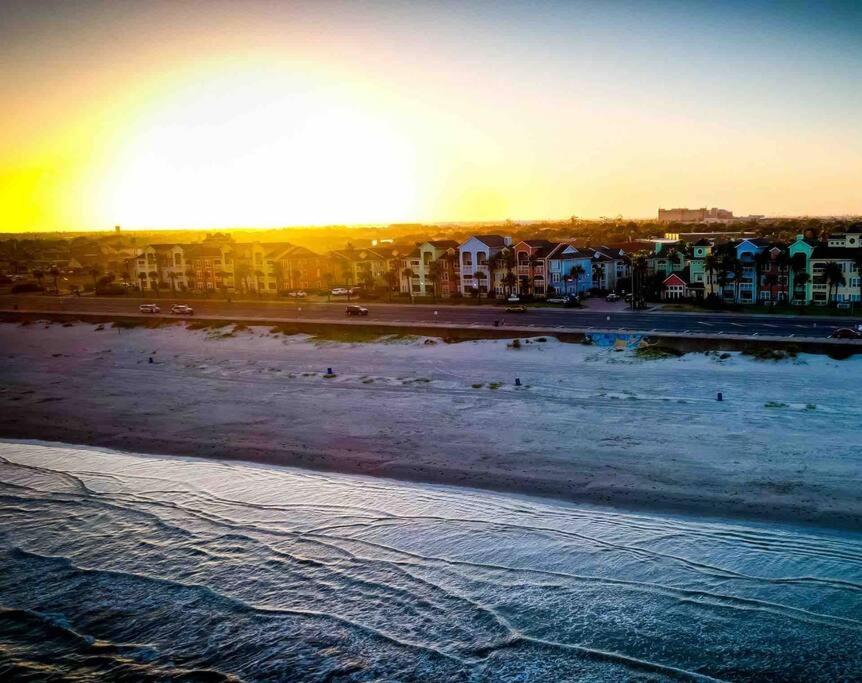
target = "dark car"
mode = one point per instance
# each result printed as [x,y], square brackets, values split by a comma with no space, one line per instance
[845,333]
[356,310]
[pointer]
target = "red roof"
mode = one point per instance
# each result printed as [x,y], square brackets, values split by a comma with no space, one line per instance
[674,279]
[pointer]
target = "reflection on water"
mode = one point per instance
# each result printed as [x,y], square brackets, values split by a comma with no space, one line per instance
[151,568]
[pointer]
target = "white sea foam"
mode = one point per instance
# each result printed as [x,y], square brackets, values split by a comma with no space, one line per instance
[161,566]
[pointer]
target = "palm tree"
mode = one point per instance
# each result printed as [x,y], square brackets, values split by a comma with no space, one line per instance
[711,265]
[738,269]
[55,273]
[834,277]
[38,275]
[435,272]
[782,263]
[95,272]
[599,274]
[857,260]
[799,269]
[409,275]
[493,267]
[241,272]
[510,280]
[172,276]
[577,273]
[762,262]
[143,279]
[391,280]
[154,276]
[278,271]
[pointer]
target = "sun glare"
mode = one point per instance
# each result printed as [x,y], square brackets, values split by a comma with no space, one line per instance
[260,149]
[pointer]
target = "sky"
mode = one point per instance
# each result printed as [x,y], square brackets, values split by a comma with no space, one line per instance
[181,113]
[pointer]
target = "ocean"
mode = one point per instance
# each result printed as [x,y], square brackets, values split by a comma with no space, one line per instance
[135,567]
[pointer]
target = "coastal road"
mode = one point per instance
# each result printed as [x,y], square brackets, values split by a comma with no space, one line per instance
[618,318]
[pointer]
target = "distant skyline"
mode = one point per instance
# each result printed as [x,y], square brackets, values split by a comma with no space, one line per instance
[264,113]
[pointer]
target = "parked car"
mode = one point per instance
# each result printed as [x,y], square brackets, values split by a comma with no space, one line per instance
[628,298]
[149,308]
[846,333]
[340,291]
[555,300]
[612,297]
[182,309]
[356,310]
[516,309]
[513,299]
[297,295]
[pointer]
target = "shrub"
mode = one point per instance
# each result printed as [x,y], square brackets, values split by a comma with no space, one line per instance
[110,289]
[22,287]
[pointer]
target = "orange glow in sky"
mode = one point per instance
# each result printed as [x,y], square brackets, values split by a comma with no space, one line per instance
[269,114]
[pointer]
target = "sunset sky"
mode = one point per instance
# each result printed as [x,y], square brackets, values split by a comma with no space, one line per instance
[256,113]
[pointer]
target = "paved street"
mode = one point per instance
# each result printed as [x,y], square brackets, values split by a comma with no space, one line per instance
[461,316]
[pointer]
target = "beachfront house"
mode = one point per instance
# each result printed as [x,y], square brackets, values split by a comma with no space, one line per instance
[474,255]
[569,270]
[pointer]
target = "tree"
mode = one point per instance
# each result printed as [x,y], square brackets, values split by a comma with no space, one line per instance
[762,263]
[241,272]
[143,280]
[278,271]
[834,278]
[409,275]
[738,269]
[493,268]
[154,275]
[55,273]
[509,281]
[599,274]
[782,263]
[577,273]
[857,260]
[95,271]
[710,265]
[479,275]
[435,274]
[38,275]
[391,280]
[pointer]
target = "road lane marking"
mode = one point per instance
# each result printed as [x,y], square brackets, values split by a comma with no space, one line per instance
[700,322]
[737,324]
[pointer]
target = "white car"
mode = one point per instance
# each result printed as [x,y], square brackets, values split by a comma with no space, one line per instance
[149,308]
[182,309]
[513,298]
[339,291]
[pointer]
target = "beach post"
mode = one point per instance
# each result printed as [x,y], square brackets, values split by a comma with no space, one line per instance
[517,381]
[719,396]
[329,371]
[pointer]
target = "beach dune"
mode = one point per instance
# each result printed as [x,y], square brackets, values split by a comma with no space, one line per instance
[586,424]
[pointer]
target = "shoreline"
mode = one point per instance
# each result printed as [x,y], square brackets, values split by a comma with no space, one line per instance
[611,431]
[551,488]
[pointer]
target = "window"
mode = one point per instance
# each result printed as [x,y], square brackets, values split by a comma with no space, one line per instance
[467,258]
[481,258]
[272,285]
[555,277]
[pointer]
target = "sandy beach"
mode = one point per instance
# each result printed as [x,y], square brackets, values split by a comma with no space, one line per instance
[587,424]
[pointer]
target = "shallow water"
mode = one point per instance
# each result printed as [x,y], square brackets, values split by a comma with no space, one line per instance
[140,567]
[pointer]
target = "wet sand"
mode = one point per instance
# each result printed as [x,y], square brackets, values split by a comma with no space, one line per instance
[587,425]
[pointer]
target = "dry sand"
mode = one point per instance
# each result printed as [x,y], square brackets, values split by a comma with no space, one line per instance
[588,425]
